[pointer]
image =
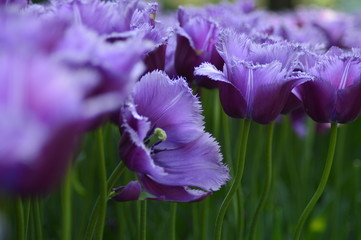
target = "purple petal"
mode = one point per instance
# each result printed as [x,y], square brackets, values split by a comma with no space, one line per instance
[171,193]
[209,70]
[233,45]
[102,17]
[188,156]
[170,105]
[292,104]
[197,163]
[145,15]
[196,38]
[131,148]
[341,73]
[185,58]
[201,33]
[233,103]
[22,3]
[348,104]
[272,92]
[228,92]
[155,60]
[130,192]
[319,99]
[37,121]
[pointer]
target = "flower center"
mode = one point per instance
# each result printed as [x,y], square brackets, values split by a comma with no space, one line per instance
[159,135]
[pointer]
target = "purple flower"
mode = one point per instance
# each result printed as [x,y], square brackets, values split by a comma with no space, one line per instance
[20,3]
[130,192]
[39,126]
[104,17]
[163,140]
[119,21]
[257,78]
[119,64]
[196,39]
[331,24]
[335,92]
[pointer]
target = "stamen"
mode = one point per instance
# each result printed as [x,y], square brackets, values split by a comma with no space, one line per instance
[159,135]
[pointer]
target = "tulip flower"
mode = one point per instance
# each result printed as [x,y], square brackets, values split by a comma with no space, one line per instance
[164,142]
[257,78]
[334,94]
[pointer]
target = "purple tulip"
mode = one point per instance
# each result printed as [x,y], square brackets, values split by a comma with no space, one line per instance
[130,192]
[78,47]
[335,92]
[330,23]
[119,64]
[56,80]
[104,17]
[196,39]
[41,109]
[257,77]
[163,140]
[118,21]
[21,3]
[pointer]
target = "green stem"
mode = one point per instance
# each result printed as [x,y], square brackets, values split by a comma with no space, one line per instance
[216,114]
[67,206]
[143,220]
[173,220]
[103,196]
[204,218]
[195,221]
[236,182]
[119,169]
[267,186]
[20,219]
[114,176]
[37,219]
[338,180]
[93,221]
[27,203]
[240,218]
[326,172]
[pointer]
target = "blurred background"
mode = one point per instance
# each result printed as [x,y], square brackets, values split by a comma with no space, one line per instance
[342,5]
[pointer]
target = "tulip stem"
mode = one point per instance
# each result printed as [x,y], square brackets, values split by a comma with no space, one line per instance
[37,218]
[173,214]
[103,196]
[20,219]
[267,185]
[67,205]
[27,210]
[143,220]
[237,181]
[326,172]
[114,176]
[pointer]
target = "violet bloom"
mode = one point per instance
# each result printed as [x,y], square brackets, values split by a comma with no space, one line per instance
[334,95]
[163,140]
[119,64]
[196,39]
[41,109]
[105,17]
[257,78]
[329,22]
[119,21]
[21,3]
[130,192]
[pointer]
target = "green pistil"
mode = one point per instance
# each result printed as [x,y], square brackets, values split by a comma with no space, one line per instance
[159,135]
